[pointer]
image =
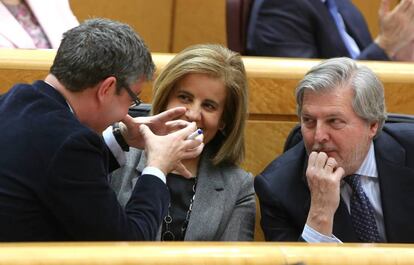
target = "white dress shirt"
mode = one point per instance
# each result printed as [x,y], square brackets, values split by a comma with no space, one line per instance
[119,154]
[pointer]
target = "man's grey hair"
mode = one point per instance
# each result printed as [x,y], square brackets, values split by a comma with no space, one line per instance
[337,73]
[100,48]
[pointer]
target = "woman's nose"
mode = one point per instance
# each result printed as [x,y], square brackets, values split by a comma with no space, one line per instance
[193,113]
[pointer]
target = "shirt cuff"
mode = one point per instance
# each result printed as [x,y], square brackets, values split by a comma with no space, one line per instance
[113,145]
[310,235]
[155,172]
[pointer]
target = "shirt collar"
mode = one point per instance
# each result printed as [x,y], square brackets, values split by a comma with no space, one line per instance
[67,103]
[369,166]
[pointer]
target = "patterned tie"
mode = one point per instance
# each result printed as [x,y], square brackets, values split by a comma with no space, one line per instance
[349,42]
[362,212]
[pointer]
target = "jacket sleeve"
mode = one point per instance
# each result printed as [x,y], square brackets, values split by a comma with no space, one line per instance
[86,206]
[275,221]
[373,52]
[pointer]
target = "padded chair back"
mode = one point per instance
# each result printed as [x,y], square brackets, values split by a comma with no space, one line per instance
[237,18]
[140,110]
[295,135]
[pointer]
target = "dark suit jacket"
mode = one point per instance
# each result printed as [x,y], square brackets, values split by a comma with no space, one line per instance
[285,198]
[305,28]
[53,176]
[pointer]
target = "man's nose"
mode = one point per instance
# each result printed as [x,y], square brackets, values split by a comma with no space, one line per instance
[321,133]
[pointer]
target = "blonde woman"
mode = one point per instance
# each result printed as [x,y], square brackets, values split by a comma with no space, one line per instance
[218,202]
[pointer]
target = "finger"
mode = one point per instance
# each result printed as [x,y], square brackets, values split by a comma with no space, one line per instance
[200,137]
[170,114]
[402,6]
[192,144]
[321,160]
[339,173]
[183,171]
[331,164]
[384,8]
[186,131]
[176,125]
[410,10]
[129,122]
[312,158]
[192,153]
[145,132]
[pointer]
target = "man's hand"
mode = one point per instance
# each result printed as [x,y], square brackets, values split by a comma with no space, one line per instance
[160,124]
[324,179]
[396,26]
[166,152]
[405,54]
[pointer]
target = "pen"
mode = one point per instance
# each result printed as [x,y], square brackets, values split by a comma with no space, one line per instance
[195,134]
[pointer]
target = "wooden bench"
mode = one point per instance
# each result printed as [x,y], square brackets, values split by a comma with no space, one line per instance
[206,253]
[272,83]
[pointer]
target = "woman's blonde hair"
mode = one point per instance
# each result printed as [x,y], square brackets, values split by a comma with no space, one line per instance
[217,62]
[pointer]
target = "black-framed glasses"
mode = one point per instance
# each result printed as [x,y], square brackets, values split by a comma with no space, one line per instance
[135,99]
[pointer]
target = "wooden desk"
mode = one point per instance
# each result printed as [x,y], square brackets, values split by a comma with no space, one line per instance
[194,253]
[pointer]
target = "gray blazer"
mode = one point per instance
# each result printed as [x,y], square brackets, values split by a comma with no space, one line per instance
[224,206]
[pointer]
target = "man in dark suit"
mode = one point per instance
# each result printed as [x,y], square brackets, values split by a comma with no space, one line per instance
[315,191]
[54,162]
[327,29]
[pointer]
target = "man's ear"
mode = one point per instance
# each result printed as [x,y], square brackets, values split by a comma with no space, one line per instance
[106,88]
[373,128]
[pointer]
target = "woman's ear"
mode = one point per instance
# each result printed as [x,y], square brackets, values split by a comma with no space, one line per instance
[222,126]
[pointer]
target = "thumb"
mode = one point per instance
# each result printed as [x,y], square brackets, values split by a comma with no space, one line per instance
[340,173]
[183,171]
[145,131]
[128,121]
[384,8]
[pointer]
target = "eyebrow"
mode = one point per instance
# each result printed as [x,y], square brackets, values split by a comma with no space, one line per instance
[331,115]
[182,90]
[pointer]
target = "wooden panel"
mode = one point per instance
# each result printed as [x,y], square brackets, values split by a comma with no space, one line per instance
[151,19]
[198,22]
[264,142]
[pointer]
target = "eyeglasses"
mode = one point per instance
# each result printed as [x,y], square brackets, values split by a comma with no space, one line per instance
[135,99]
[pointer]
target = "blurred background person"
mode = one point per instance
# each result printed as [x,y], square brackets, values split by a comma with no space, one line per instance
[329,28]
[218,202]
[32,24]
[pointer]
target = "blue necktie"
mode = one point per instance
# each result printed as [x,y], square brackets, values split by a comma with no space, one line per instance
[349,42]
[362,212]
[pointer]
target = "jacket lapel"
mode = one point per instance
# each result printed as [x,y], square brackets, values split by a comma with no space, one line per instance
[13,31]
[329,24]
[355,23]
[57,11]
[209,201]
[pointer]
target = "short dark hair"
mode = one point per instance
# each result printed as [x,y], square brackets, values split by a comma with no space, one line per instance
[100,48]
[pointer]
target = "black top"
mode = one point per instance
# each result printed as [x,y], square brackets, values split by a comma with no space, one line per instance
[181,193]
